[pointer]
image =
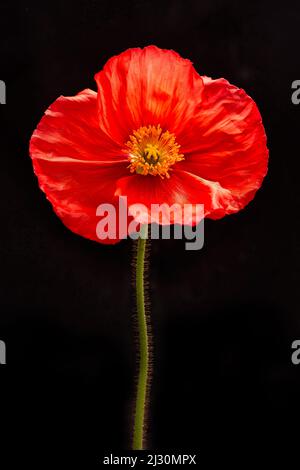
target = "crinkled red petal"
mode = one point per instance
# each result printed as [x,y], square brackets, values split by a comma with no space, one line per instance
[149,86]
[226,143]
[77,165]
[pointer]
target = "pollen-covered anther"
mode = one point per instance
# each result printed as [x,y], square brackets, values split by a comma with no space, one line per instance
[152,151]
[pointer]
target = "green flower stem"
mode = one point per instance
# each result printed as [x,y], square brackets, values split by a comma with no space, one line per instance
[143,373]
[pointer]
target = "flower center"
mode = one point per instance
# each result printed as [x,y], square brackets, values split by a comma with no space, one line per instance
[152,151]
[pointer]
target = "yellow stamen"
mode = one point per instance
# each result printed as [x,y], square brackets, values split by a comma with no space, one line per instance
[152,151]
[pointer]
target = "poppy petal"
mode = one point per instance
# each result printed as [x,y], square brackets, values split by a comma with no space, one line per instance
[180,189]
[70,128]
[226,141]
[76,164]
[147,86]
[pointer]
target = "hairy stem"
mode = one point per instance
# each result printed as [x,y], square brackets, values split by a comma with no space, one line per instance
[143,341]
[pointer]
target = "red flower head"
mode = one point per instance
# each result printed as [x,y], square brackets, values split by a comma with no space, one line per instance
[156,132]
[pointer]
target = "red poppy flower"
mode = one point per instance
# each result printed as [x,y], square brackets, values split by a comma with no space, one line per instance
[156,132]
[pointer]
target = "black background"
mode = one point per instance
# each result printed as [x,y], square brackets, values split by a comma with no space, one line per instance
[223,318]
